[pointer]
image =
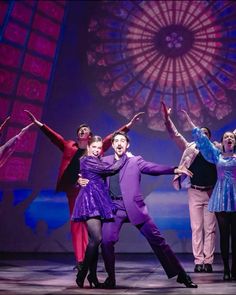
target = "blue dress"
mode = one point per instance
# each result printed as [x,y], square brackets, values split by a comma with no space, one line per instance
[94,200]
[223,197]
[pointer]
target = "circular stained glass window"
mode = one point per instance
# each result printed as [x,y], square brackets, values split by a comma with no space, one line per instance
[180,52]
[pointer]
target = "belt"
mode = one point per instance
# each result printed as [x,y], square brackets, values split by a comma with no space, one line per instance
[117,198]
[201,188]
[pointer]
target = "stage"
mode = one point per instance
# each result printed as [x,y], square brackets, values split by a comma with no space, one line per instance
[53,273]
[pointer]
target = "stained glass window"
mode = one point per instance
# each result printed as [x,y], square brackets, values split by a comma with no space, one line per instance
[181,52]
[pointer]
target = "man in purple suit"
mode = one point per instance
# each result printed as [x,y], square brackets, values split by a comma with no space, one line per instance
[126,193]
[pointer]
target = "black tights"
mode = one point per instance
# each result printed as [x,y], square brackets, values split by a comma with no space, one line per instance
[227,226]
[95,237]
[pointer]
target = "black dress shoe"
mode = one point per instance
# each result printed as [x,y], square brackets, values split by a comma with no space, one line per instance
[226,276]
[185,279]
[109,284]
[198,268]
[233,273]
[208,268]
[233,277]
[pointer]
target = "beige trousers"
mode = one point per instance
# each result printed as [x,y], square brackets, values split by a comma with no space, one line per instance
[203,225]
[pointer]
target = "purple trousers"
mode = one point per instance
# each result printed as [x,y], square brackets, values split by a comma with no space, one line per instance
[110,235]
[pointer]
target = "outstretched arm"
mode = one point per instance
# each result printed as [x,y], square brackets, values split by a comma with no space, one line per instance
[125,128]
[166,111]
[174,134]
[9,147]
[189,120]
[136,118]
[152,168]
[4,124]
[33,119]
[104,168]
[209,151]
[55,137]
[23,130]
[101,168]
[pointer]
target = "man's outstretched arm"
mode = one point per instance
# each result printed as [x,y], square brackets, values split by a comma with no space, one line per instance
[55,137]
[107,140]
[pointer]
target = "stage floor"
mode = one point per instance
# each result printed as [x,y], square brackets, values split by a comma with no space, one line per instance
[43,274]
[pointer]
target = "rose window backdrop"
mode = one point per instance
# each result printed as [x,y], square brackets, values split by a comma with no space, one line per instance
[181,52]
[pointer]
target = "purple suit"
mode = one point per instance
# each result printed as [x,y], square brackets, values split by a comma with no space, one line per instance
[135,210]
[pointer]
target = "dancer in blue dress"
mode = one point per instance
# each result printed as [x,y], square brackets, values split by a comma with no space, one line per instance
[93,205]
[223,198]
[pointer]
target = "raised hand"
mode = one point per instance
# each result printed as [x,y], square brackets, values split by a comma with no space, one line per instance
[135,119]
[4,123]
[166,111]
[33,119]
[27,127]
[192,125]
[31,116]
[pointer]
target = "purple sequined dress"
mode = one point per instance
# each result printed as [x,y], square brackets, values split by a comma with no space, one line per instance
[94,200]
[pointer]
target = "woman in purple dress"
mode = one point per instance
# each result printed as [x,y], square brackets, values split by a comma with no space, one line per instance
[93,205]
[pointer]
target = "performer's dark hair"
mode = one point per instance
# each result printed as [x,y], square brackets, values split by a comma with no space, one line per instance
[120,133]
[84,125]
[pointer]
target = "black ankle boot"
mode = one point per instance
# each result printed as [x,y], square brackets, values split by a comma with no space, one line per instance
[226,276]
[233,277]
[185,279]
[109,283]
[233,273]
[93,281]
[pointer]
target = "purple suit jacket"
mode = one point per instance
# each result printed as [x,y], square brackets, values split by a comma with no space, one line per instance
[130,178]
